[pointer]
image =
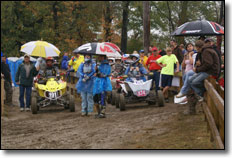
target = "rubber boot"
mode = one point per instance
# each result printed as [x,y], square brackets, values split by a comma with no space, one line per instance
[103,111]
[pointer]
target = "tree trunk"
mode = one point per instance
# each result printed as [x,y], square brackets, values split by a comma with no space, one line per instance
[124,26]
[221,22]
[183,18]
[107,21]
[146,26]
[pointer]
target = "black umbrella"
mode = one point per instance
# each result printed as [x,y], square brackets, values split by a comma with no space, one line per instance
[97,49]
[199,28]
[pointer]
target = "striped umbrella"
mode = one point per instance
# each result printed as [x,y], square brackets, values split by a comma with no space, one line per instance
[40,49]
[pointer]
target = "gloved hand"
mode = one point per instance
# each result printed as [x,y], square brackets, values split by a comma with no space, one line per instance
[83,80]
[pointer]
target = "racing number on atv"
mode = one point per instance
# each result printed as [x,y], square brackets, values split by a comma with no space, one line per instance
[52,95]
[141,93]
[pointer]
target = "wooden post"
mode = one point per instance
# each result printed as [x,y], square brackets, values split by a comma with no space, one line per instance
[2,96]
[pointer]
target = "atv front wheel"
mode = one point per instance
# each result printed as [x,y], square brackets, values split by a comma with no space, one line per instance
[113,97]
[117,100]
[71,103]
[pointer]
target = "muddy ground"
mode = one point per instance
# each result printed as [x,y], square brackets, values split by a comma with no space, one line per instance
[139,127]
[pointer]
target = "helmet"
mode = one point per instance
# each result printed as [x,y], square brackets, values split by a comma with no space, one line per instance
[136,56]
[141,51]
[49,59]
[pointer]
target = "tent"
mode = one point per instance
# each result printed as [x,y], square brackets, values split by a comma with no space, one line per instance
[14,63]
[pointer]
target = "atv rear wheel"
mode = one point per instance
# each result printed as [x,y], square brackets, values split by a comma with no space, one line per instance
[117,100]
[122,105]
[160,98]
[109,97]
[34,107]
[66,104]
[113,97]
[71,103]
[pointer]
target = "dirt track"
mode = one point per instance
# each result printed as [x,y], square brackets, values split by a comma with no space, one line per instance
[139,127]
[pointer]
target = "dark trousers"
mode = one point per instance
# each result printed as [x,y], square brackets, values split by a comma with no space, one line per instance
[156,78]
[8,91]
[28,96]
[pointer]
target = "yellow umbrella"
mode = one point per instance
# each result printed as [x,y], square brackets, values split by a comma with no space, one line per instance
[40,48]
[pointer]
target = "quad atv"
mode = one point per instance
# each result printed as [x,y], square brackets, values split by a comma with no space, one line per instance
[51,91]
[137,91]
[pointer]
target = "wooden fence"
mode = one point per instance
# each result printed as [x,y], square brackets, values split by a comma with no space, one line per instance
[214,111]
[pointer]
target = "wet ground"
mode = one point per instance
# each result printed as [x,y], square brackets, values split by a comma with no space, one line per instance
[139,127]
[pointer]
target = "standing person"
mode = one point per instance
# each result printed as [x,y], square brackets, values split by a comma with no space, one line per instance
[102,85]
[188,64]
[41,65]
[85,85]
[143,58]
[167,71]
[24,78]
[183,49]
[177,51]
[64,62]
[155,68]
[5,70]
[75,62]
[208,65]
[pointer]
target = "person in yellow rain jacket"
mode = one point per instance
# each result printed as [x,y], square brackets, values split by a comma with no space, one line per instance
[76,61]
[143,58]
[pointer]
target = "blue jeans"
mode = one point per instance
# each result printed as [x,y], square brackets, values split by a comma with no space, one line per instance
[197,82]
[28,96]
[87,102]
[186,86]
[156,78]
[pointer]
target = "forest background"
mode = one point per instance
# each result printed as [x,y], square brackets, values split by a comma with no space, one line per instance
[69,24]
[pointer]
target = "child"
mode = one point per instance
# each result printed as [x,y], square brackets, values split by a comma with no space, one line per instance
[167,71]
[102,84]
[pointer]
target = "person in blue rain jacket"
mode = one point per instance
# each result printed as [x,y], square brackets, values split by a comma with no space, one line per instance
[85,84]
[64,62]
[136,69]
[102,85]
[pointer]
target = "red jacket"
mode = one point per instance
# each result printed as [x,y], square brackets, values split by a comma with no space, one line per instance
[151,61]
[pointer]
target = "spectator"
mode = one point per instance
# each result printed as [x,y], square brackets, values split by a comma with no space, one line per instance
[143,58]
[64,62]
[202,38]
[177,51]
[85,85]
[167,71]
[162,52]
[207,64]
[5,70]
[183,49]
[154,68]
[41,65]
[211,42]
[24,78]
[75,61]
[188,64]
[117,69]
[135,52]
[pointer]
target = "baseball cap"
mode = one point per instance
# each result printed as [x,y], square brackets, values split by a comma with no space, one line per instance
[154,49]
[26,55]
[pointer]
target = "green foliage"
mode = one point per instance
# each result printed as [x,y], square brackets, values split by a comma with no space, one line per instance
[68,24]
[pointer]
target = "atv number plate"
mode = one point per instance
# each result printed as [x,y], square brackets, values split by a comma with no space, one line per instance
[52,95]
[141,93]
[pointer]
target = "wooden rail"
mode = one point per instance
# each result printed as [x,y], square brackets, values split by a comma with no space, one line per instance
[2,96]
[214,112]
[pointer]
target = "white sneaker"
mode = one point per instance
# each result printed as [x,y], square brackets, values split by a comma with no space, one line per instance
[21,109]
[28,109]
[199,98]
[83,114]
[179,95]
